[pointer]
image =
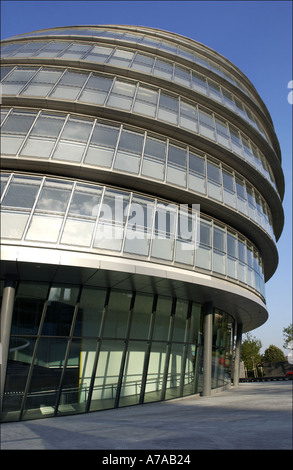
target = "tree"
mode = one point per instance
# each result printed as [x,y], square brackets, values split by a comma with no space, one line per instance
[273,354]
[250,352]
[287,335]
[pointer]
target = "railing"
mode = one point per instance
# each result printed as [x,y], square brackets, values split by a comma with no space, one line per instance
[265,379]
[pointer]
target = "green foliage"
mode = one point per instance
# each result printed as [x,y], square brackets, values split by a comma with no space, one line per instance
[273,354]
[287,335]
[250,352]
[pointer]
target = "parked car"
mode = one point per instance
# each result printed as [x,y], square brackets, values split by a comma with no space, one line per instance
[289,374]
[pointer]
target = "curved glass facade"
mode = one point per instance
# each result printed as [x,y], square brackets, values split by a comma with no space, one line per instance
[94,218]
[141,192]
[151,40]
[76,349]
[100,144]
[140,62]
[132,96]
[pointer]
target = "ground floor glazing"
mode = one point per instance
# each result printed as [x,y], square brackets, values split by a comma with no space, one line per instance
[76,349]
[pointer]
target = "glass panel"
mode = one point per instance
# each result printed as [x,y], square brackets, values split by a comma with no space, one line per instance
[75,130]
[28,308]
[214,180]
[96,89]
[121,58]
[85,201]
[174,371]
[215,91]
[164,232]
[163,69]
[206,125]
[197,176]
[77,232]
[54,196]
[219,246]
[121,95]
[162,319]
[132,374]
[141,317]
[91,308]
[180,320]
[139,226]
[76,377]
[146,101]
[223,135]
[168,108]
[117,314]
[60,309]
[143,63]
[46,126]
[42,83]
[110,230]
[199,83]
[155,372]
[228,188]
[188,116]
[176,171]
[129,151]
[18,122]
[236,140]
[102,145]
[98,53]
[13,224]
[182,75]
[241,196]
[19,361]
[203,251]
[107,375]
[22,192]
[46,377]
[44,228]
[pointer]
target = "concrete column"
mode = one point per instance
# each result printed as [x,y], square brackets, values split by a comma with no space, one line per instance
[207,351]
[6,320]
[237,355]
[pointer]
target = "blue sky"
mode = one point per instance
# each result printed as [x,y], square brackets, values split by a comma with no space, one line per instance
[255,35]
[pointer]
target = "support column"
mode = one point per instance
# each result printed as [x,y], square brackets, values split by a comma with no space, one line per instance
[6,321]
[207,352]
[237,355]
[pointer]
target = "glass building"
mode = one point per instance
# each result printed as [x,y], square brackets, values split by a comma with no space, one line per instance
[141,194]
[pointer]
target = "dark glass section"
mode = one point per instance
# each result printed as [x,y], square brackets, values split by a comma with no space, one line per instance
[77,349]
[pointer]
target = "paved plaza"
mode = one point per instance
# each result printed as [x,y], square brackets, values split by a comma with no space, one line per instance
[250,416]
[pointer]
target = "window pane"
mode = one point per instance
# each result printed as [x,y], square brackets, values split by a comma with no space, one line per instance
[18,122]
[85,201]
[117,314]
[44,229]
[141,317]
[54,197]
[21,192]
[13,224]
[76,130]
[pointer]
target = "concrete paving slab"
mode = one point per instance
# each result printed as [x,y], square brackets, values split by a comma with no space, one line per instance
[250,416]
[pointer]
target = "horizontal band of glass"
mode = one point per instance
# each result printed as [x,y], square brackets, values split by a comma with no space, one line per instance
[89,348]
[94,143]
[172,47]
[141,62]
[132,96]
[89,217]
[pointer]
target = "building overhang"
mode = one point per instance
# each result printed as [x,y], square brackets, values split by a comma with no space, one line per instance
[47,265]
